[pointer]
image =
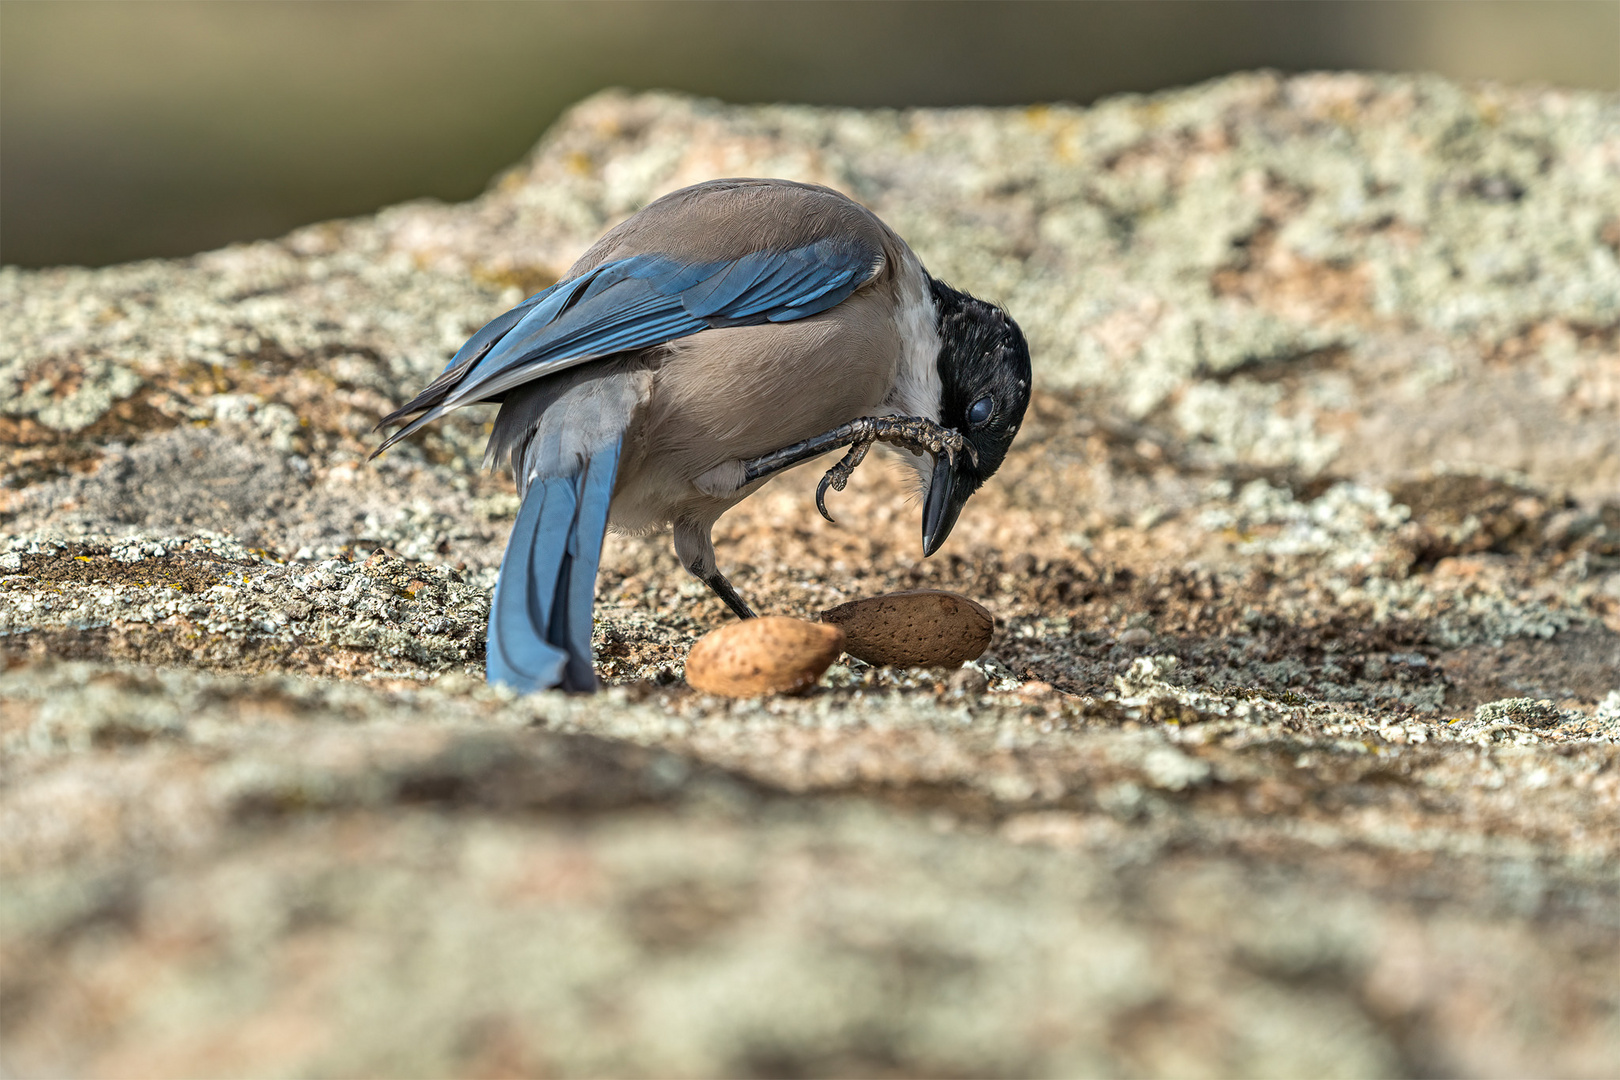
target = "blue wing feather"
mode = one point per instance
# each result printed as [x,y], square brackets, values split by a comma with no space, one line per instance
[493,331]
[642,301]
[722,291]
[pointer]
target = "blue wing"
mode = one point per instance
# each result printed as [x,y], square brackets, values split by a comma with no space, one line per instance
[634,303]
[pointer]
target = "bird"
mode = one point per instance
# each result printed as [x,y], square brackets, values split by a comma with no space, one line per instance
[721,334]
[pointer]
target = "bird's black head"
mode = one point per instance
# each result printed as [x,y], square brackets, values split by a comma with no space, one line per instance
[984,376]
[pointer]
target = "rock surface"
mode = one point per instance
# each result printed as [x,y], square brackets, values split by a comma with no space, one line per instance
[1297,750]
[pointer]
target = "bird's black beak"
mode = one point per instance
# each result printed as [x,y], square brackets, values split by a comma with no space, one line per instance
[948,491]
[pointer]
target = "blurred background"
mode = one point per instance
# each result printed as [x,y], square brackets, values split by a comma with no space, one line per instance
[130,130]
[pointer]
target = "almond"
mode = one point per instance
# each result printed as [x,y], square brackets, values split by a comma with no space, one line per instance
[768,655]
[924,628]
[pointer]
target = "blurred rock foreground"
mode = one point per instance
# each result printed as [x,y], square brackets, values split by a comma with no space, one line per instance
[1297,751]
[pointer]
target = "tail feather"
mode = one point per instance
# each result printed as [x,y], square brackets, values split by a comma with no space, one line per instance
[540,618]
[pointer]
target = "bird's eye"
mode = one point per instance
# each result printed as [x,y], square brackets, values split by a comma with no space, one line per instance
[979,412]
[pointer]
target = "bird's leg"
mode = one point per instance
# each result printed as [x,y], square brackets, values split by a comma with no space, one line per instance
[695,548]
[722,588]
[914,433]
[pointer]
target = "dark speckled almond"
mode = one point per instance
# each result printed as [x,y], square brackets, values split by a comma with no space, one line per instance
[923,628]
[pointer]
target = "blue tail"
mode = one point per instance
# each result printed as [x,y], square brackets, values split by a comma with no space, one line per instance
[540,618]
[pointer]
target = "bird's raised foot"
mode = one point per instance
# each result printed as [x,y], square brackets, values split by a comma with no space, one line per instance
[914,433]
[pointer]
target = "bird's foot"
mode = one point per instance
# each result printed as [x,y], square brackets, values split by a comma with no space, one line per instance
[917,434]
[914,433]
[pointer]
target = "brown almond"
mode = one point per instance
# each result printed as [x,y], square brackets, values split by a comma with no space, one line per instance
[769,655]
[922,628]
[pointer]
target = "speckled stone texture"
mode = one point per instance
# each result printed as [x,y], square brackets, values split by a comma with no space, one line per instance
[1296,751]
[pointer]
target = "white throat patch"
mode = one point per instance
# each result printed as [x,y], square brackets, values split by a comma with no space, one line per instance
[917,389]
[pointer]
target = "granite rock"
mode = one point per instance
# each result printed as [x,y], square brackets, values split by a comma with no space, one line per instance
[1296,751]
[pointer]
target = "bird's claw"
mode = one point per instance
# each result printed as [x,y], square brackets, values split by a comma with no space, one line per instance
[839,474]
[914,433]
[821,493]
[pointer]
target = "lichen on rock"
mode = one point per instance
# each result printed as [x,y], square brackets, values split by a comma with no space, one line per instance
[1296,749]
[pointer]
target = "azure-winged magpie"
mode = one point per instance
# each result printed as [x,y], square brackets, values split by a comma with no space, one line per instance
[725,332]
